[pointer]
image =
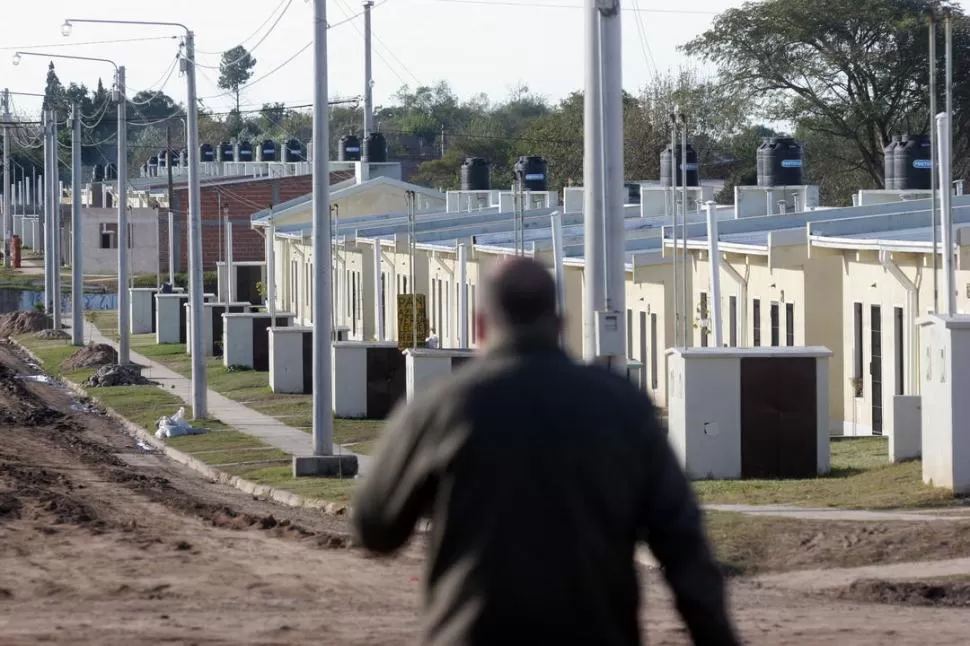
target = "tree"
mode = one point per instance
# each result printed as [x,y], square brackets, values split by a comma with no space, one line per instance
[852,70]
[235,69]
[54,96]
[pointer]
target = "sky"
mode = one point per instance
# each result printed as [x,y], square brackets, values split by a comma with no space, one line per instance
[489,46]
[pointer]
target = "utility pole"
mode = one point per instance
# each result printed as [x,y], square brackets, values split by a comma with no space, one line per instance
[7,167]
[48,216]
[323,461]
[77,275]
[614,259]
[55,192]
[368,74]
[171,215]
[593,217]
[934,144]
[673,228]
[946,170]
[688,317]
[199,386]
[124,310]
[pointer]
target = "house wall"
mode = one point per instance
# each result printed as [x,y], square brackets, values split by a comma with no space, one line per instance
[239,200]
[143,253]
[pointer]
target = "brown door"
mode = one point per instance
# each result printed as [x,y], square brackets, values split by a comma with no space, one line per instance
[385,380]
[778,417]
[261,343]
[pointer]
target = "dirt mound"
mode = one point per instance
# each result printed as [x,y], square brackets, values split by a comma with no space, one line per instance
[92,356]
[52,334]
[22,323]
[115,375]
[943,593]
[17,406]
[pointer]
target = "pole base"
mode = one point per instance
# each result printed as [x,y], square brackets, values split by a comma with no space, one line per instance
[326,466]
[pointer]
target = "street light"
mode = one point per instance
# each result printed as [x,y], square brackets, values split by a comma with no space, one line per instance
[195,207]
[124,310]
[16,59]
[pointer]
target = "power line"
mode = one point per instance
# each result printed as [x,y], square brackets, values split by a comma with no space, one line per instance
[541,5]
[255,31]
[87,42]
[245,53]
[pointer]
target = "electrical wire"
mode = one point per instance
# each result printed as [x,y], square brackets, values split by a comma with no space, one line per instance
[255,31]
[347,11]
[551,5]
[245,53]
[166,77]
[86,42]
[287,61]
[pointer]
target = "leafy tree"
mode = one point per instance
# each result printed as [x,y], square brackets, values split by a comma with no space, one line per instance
[54,95]
[235,70]
[852,70]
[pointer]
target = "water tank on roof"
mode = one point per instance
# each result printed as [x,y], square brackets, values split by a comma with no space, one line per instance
[375,148]
[781,162]
[98,173]
[533,171]
[207,153]
[889,163]
[245,151]
[349,148]
[912,164]
[293,151]
[227,152]
[692,177]
[110,172]
[153,160]
[268,151]
[476,174]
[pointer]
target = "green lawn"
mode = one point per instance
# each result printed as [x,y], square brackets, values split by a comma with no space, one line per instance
[251,389]
[861,478]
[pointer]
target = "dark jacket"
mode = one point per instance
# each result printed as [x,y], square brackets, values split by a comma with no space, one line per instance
[540,476]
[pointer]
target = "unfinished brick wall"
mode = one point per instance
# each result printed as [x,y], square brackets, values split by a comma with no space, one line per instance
[238,201]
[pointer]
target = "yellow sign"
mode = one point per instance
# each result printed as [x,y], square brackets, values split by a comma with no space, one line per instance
[405,320]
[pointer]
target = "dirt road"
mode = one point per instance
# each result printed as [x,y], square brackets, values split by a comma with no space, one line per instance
[103,542]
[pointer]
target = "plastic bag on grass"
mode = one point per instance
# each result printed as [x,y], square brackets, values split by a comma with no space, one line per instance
[176,425]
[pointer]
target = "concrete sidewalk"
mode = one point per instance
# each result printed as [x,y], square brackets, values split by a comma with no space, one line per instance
[245,420]
[834,513]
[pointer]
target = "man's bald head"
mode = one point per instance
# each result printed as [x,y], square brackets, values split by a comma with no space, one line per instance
[518,296]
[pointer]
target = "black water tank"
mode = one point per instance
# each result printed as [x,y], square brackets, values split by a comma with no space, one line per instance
[533,171]
[110,172]
[293,151]
[207,153]
[912,165]
[226,152]
[692,178]
[889,163]
[245,151]
[782,162]
[98,173]
[153,160]
[348,149]
[476,174]
[375,148]
[269,150]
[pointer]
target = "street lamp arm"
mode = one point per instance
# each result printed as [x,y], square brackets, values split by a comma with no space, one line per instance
[77,58]
[70,21]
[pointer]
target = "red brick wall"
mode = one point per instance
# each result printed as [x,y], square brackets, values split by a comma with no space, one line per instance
[238,201]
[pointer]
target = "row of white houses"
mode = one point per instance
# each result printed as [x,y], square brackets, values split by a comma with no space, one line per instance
[854,280]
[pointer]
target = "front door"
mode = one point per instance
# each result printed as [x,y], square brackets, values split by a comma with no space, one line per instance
[875,368]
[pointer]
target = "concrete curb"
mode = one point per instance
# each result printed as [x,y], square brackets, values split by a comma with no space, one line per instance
[287,498]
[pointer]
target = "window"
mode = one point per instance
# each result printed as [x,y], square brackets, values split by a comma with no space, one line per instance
[308,288]
[653,352]
[705,330]
[789,324]
[474,324]
[643,347]
[629,333]
[384,303]
[899,350]
[756,316]
[733,323]
[857,349]
[439,311]
[109,236]
[775,325]
[353,303]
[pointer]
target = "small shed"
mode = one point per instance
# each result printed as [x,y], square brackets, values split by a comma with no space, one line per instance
[749,412]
